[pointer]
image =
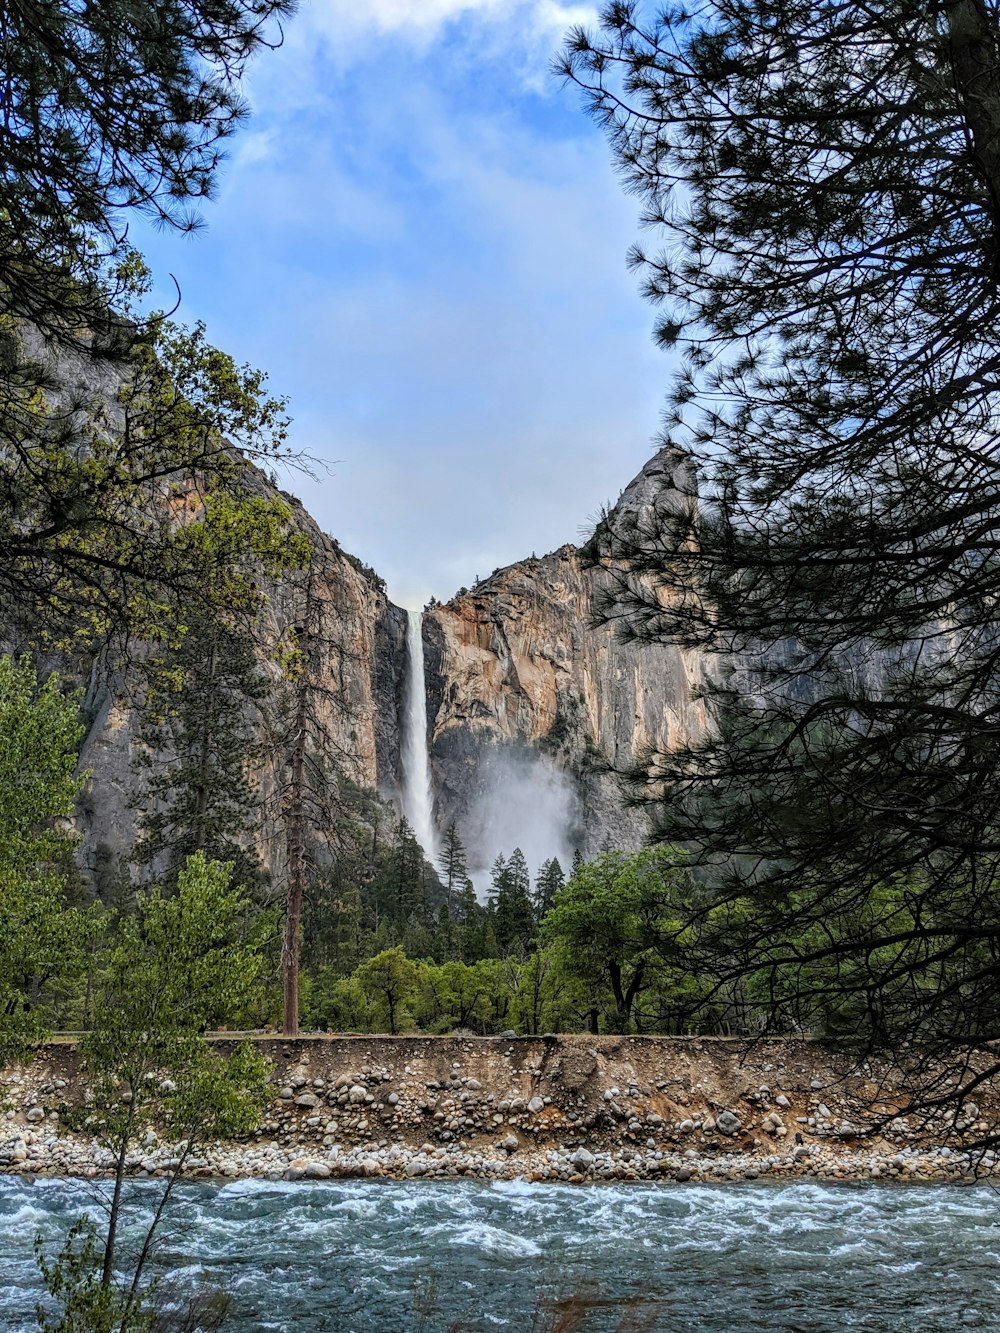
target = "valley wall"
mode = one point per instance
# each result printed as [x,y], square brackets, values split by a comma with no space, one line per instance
[521,681]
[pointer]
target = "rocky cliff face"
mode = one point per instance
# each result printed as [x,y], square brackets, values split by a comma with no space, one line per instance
[358,671]
[533,711]
[525,693]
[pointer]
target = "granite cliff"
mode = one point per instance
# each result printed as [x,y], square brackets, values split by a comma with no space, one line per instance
[523,687]
[532,709]
[355,685]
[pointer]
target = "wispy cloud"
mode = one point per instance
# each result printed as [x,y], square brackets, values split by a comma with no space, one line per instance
[428,17]
[422,239]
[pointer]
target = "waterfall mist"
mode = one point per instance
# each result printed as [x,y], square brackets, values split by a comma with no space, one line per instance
[418,795]
[526,802]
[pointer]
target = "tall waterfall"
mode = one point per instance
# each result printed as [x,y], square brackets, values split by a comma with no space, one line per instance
[418,795]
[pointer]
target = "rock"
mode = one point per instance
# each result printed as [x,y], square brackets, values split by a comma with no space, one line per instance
[684,1174]
[536,1104]
[309,1100]
[318,1171]
[582,1158]
[393,1099]
[356,1093]
[34,1113]
[728,1124]
[511,1143]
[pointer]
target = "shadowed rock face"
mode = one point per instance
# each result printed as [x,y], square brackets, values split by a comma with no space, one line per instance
[359,663]
[517,671]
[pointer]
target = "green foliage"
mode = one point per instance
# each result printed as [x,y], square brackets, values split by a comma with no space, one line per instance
[83,1303]
[550,880]
[824,180]
[538,994]
[510,902]
[453,864]
[175,967]
[136,506]
[618,924]
[198,726]
[41,937]
[390,982]
[455,995]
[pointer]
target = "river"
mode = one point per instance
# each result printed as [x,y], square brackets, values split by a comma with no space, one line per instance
[463,1255]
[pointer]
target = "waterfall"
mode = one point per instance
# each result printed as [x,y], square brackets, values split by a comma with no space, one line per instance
[418,795]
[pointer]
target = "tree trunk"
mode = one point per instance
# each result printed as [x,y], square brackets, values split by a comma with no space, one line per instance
[108,1268]
[295,839]
[975,55]
[295,824]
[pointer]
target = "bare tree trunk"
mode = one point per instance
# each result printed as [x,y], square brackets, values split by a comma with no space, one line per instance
[295,825]
[974,43]
[108,1268]
[295,828]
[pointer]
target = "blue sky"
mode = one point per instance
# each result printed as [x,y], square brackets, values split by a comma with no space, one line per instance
[420,237]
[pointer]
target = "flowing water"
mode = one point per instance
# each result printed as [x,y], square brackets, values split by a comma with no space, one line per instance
[400,1256]
[418,795]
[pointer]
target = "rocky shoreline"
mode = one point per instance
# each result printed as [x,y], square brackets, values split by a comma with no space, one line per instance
[572,1109]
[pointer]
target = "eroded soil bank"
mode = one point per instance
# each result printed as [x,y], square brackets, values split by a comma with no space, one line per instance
[571,1108]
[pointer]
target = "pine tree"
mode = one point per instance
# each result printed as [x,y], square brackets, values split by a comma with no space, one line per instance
[453,863]
[407,871]
[550,880]
[109,109]
[201,753]
[513,916]
[826,182]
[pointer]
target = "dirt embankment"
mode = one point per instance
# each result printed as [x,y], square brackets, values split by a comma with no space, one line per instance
[566,1107]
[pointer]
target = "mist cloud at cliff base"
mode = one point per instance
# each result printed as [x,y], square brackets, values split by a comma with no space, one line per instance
[524,801]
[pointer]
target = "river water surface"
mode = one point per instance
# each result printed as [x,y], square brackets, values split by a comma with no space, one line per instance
[402,1256]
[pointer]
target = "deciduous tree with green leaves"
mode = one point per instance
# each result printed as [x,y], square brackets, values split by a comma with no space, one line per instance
[618,921]
[391,980]
[177,966]
[41,936]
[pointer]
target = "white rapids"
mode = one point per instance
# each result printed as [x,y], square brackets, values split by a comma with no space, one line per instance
[376,1256]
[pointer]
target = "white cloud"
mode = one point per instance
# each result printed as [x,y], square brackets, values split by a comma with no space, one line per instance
[430,260]
[429,16]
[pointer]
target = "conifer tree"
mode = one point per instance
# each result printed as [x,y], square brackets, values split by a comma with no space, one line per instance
[201,751]
[513,920]
[825,180]
[550,880]
[112,109]
[453,863]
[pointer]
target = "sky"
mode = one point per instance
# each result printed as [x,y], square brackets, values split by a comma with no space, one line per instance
[420,236]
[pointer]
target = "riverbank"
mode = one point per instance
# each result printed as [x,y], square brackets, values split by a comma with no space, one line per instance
[570,1108]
